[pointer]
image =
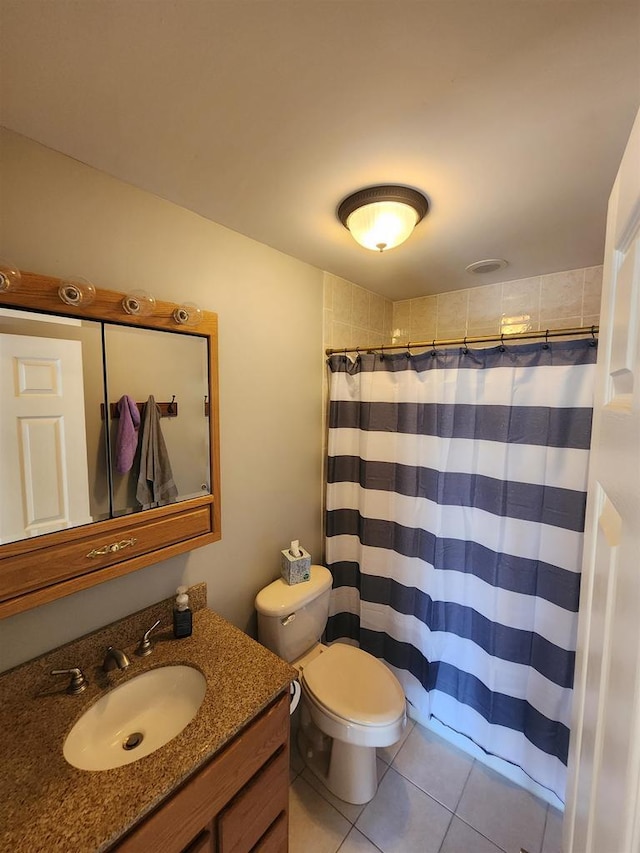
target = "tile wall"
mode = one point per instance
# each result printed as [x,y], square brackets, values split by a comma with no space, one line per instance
[562,299]
[354,316]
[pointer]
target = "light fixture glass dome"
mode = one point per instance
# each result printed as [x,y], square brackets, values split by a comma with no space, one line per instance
[380,218]
[382,225]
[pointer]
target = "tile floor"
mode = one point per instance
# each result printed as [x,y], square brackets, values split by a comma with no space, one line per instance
[432,798]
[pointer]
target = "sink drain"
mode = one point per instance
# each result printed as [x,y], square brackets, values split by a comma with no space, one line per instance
[134,739]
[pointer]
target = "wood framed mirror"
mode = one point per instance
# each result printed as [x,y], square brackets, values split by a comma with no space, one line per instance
[72,514]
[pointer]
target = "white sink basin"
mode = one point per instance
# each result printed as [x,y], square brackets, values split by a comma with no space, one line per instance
[136,718]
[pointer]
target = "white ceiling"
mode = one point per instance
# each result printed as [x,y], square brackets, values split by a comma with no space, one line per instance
[510,115]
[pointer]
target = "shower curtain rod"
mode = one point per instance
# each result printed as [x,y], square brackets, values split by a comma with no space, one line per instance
[466,341]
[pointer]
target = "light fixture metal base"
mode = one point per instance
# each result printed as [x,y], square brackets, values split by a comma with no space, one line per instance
[384,192]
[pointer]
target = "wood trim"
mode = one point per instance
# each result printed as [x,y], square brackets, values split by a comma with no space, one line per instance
[40,293]
[182,817]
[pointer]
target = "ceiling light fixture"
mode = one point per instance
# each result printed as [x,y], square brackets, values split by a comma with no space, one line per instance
[380,218]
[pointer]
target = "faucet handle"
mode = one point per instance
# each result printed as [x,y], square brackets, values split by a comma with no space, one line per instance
[144,646]
[78,681]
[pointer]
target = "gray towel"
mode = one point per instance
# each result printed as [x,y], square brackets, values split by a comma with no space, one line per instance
[155,480]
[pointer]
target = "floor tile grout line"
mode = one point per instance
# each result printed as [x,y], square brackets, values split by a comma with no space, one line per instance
[486,837]
[337,811]
[464,787]
[363,834]
[444,837]
[544,830]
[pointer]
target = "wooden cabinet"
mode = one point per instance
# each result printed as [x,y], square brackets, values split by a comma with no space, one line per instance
[39,569]
[237,803]
[36,570]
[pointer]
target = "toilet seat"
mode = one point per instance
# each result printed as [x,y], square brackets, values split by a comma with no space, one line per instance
[353,686]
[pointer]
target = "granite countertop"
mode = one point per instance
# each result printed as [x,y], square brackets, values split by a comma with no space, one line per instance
[46,804]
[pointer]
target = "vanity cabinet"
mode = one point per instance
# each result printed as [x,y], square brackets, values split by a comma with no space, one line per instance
[237,803]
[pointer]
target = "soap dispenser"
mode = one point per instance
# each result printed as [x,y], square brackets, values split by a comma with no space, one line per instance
[182,616]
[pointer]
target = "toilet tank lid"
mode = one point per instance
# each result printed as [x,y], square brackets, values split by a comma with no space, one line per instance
[279,598]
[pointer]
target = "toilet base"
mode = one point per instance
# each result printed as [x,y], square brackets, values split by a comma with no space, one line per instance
[349,772]
[353,773]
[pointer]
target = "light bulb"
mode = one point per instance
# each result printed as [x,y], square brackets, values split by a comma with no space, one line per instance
[139,303]
[77,291]
[9,276]
[188,314]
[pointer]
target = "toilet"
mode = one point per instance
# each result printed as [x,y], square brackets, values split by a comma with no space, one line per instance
[351,702]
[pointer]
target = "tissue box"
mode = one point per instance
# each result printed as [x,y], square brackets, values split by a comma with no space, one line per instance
[295,569]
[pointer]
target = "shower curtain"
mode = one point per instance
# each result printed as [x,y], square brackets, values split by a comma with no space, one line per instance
[456,490]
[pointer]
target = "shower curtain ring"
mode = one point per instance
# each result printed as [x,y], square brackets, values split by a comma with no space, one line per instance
[502,346]
[545,345]
[408,349]
[593,342]
[357,355]
[465,348]
[433,348]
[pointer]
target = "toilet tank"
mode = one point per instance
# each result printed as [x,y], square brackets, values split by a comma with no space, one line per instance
[291,619]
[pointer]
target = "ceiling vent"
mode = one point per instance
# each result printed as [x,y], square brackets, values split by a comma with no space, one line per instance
[488,265]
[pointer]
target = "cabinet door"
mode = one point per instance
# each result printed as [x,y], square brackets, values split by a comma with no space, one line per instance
[204,841]
[276,838]
[248,817]
[186,816]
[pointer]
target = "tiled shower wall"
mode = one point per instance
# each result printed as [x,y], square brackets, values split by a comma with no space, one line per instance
[354,316]
[555,301]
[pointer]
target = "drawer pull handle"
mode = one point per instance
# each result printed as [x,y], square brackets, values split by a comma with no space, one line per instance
[112,548]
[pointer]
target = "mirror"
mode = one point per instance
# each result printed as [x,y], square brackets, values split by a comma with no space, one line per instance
[62,468]
[173,369]
[55,439]
[52,439]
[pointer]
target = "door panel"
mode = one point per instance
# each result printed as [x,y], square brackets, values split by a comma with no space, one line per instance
[44,472]
[604,762]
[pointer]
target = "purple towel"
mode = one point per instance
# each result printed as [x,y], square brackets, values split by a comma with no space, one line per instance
[127,439]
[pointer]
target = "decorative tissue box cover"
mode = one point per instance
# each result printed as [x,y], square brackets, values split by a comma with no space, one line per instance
[295,569]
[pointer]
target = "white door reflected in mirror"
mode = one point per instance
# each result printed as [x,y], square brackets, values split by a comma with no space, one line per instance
[43,461]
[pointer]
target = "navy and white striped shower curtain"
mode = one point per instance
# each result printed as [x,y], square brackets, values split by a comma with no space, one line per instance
[456,491]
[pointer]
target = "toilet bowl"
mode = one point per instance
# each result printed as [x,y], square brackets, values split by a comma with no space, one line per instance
[357,703]
[351,702]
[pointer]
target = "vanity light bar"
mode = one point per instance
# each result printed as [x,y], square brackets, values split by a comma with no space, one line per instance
[78,297]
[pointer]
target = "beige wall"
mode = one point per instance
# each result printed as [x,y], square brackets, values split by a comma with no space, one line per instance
[62,218]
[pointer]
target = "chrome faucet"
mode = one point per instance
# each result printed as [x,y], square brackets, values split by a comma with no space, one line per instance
[114,658]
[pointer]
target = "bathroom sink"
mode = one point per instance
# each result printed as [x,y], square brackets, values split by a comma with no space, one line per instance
[136,718]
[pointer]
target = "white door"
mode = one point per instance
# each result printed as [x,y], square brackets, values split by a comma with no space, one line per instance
[43,451]
[603,808]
